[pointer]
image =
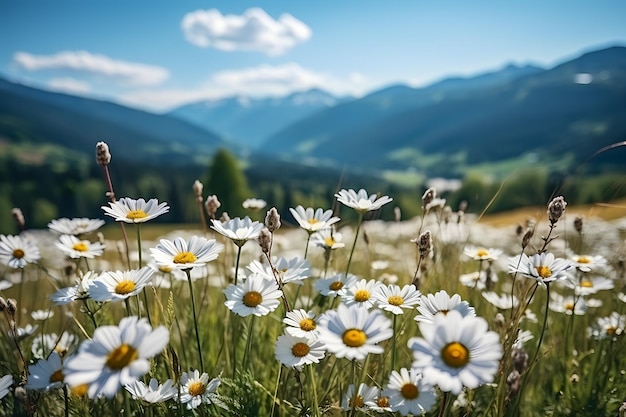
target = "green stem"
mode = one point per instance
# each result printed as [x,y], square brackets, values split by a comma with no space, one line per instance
[237,264]
[275,399]
[543,328]
[306,248]
[356,236]
[246,353]
[195,320]
[311,375]
[393,344]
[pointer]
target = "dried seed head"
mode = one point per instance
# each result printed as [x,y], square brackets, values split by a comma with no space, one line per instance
[18,216]
[224,217]
[272,219]
[265,240]
[578,224]
[197,189]
[499,320]
[556,209]
[428,197]
[519,230]
[11,306]
[526,238]
[212,204]
[514,380]
[21,394]
[520,359]
[3,304]
[69,269]
[103,156]
[424,243]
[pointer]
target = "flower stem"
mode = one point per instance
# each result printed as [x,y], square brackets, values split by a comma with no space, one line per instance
[543,328]
[246,353]
[195,320]
[237,264]
[315,405]
[356,236]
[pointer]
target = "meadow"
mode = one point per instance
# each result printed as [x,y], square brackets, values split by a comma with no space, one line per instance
[443,314]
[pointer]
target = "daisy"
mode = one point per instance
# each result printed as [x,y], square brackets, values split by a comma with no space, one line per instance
[335,285]
[503,302]
[587,286]
[5,383]
[544,267]
[254,204]
[22,333]
[353,332]
[441,302]
[17,251]
[361,201]
[587,263]
[153,392]
[380,403]
[129,210]
[46,374]
[301,323]
[609,327]
[53,343]
[482,254]
[41,315]
[313,221]
[289,270]
[116,356]
[197,389]
[408,393]
[327,239]
[182,254]
[238,230]
[393,299]
[474,279]
[78,292]
[568,305]
[456,351]
[361,293]
[358,400]
[76,248]
[76,226]
[294,351]
[120,285]
[255,295]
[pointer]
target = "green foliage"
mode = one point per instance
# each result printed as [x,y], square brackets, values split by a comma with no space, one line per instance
[226,179]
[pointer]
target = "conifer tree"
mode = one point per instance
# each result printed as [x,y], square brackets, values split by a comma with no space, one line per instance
[228,182]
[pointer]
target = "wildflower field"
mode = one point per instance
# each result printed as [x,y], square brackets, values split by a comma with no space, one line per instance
[438,315]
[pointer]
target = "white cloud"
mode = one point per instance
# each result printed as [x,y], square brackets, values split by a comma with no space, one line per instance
[69,85]
[254,30]
[268,79]
[101,65]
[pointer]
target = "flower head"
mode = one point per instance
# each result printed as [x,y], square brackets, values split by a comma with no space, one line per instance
[46,374]
[336,285]
[116,356]
[361,201]
[313,221]
[301,323]
[544,267]
[197,389]
[77,292]
[182,254]
[482,254]
[129,210]
[288,270]
[327,239]
[153,392]
[441,303]
[255,295]
[254,204]
[238,230]
[76,226]
[392,298]
[76,248]
[361,293]
[5,383]
[17,250]
[407,392]
[587,263]
[359,398]
[119,285]
[609,327]
[295,351]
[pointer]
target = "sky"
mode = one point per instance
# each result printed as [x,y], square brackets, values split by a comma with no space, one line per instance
[157,55]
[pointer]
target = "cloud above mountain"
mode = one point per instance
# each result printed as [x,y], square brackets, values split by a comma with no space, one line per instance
[254,30]
[87,63]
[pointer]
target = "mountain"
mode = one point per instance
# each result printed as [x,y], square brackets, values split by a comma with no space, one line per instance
[568,111]
[30,116]
[248,121]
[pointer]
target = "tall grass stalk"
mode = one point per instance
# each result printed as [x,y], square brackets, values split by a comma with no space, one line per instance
[195,319]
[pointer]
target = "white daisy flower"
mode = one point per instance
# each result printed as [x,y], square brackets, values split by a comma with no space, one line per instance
[116,356]
[482,254]
[75,248]
[23,332]
[52,343]
[474,279]
[163,273]
[46,374]
[153,392]
[313,221]
[567,305]
[16,251]
[129,210]
[78,292]
[587,286]
[544,267]
[75,226]
[120,285]
[503,302]
[256,296]
[407,392]
[294,351]
[238,230]
[336,285]
[361,201]
[621,296]
[353,332]
[301,323]
[456,351]
[392,298]
[361,293]
[5,383]
[586,263]
[609,327]
[182,254]
[523,336]
[327,239]
[441,302]
[380,403]
[254,204]
[358,400]
[292,270]
[197,389]
[41,315]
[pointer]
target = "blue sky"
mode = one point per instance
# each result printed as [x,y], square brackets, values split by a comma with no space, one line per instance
[156,54]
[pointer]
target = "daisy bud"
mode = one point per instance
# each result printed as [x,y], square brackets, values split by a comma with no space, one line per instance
[18,216]
[520,359]
[224,217]
[197,189]
[578,224]
[499,320]
[519,230]
[428,197]
[424,243]
[526,239]
[556,209]
[103,156]
[514,380]
[212,204]
[265,240]
[11,306]
[397,214]
[272,219]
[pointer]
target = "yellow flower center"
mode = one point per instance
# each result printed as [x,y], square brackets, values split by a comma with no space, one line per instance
[356,401]
[354,337]
[583,260]
[307,325]
[300,349]
[409,391]
[395,300]
[80,390]
[196,388]
[252,299]
[455,355]
[165,269]
[81,247]
[544,271]
[136,214]
[482,252]
[18,253]
[313,221]
[121,356]
[611,331]
[361,295]
[124,287]
[569,306]
[336,286]
[586,284]
[184,258]
[329,241]
[57,376]
[382,402]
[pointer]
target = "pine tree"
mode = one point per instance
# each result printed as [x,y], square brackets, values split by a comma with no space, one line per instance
[227,181]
